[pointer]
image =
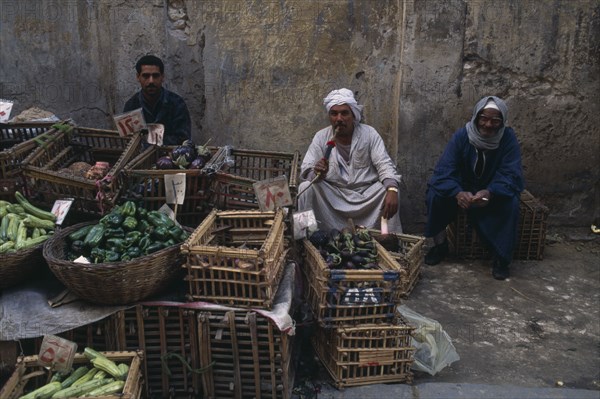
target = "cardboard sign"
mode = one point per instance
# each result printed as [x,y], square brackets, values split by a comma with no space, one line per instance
[175,188]
[57,353]
[5,109]
[156,132]
[61,208]
[169,212]
[304,224]
[130,122]
[272,193]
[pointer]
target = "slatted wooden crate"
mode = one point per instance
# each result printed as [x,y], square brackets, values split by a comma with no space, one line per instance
[29,375]
[16,142]
[245,356]
[236,258]
[367,353]
[409,256]
[232,186]
[465,243]
[148,185]
[342,296]
[92,197]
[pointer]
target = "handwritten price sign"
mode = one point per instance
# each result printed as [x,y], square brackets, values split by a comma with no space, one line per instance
[273,193]
[5,108]
[130,122]
[57,353]
[175,188]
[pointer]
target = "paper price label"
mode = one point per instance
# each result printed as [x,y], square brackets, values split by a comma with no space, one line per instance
[156,132]
[273,193]
[5,109]
[175,188]
[130,122]
[57,353]
[61,209]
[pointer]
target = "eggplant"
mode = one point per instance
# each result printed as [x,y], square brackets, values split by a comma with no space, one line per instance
[165,162]
[358,260]
[184,154]
[197,163]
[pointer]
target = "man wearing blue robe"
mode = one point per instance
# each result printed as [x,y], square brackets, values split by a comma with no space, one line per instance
[480,171]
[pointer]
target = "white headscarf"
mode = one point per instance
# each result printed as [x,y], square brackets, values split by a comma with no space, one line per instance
[344,96]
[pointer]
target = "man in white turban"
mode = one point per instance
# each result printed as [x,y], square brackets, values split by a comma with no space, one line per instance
[357,179]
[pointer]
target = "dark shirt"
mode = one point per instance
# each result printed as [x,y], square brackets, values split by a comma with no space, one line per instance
[170,111]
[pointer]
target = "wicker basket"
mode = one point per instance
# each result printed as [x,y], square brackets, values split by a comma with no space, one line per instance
[116,283]
[232,186]
[29,375]
[149,184]
[465,243]
[366,354]
[236,258]
[16,142]
[353,296]
[92,197]
[21,265]
[410,257]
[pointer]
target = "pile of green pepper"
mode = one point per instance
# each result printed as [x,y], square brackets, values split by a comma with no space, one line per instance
[126,233]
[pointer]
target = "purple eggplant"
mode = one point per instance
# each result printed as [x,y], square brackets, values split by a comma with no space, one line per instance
[165,163]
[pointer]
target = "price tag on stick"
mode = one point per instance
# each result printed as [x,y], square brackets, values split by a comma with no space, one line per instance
[57,353]
[5,109]
[130,122]
[175,189]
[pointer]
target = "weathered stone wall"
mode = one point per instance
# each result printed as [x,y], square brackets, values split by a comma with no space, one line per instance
[254,74]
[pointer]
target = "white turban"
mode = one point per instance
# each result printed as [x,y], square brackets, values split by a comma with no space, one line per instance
[343,96]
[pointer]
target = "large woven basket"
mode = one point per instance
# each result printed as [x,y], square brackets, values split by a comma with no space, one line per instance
[18,266]
[115,283]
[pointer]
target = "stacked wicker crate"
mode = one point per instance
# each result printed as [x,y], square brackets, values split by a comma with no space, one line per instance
[238,258]
[236,170]
[196,350]
[147,184]
[17,140]
[465,243]
[42,168]
[361,338]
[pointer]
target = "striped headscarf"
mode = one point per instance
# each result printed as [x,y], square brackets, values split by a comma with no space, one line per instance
[487,143]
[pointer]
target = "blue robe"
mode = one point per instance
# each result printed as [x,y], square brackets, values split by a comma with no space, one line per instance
[497,222]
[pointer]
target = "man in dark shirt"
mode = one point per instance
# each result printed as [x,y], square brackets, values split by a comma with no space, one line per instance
[158,104]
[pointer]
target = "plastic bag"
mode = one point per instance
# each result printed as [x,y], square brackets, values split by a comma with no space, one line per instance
[433,346]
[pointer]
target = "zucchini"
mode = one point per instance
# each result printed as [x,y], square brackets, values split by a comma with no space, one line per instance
[91,353]
[79,390]
[86,377]
[103,363]
[32,242]
[75,375]
[108,389]
[6,246]
[33,210]
[45,391]
[34,221]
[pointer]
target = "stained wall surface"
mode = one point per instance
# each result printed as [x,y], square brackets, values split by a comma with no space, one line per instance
[254,74]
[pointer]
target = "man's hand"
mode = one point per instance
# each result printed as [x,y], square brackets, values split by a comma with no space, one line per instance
[481,198]
[464,199]
[390,204]
[321,168]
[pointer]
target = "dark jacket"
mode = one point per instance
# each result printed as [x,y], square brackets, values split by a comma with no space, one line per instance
[170,111]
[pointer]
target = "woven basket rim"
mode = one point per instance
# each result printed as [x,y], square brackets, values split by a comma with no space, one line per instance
[152,273]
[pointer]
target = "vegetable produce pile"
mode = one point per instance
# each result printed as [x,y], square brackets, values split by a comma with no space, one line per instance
[23,225]
[100,377]
[85,170]
[186,156]
[126,233]
[346,249]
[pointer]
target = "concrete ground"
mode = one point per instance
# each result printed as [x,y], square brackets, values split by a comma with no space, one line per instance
[535,335]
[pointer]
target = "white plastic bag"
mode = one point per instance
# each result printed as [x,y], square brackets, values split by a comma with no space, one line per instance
[433,346]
